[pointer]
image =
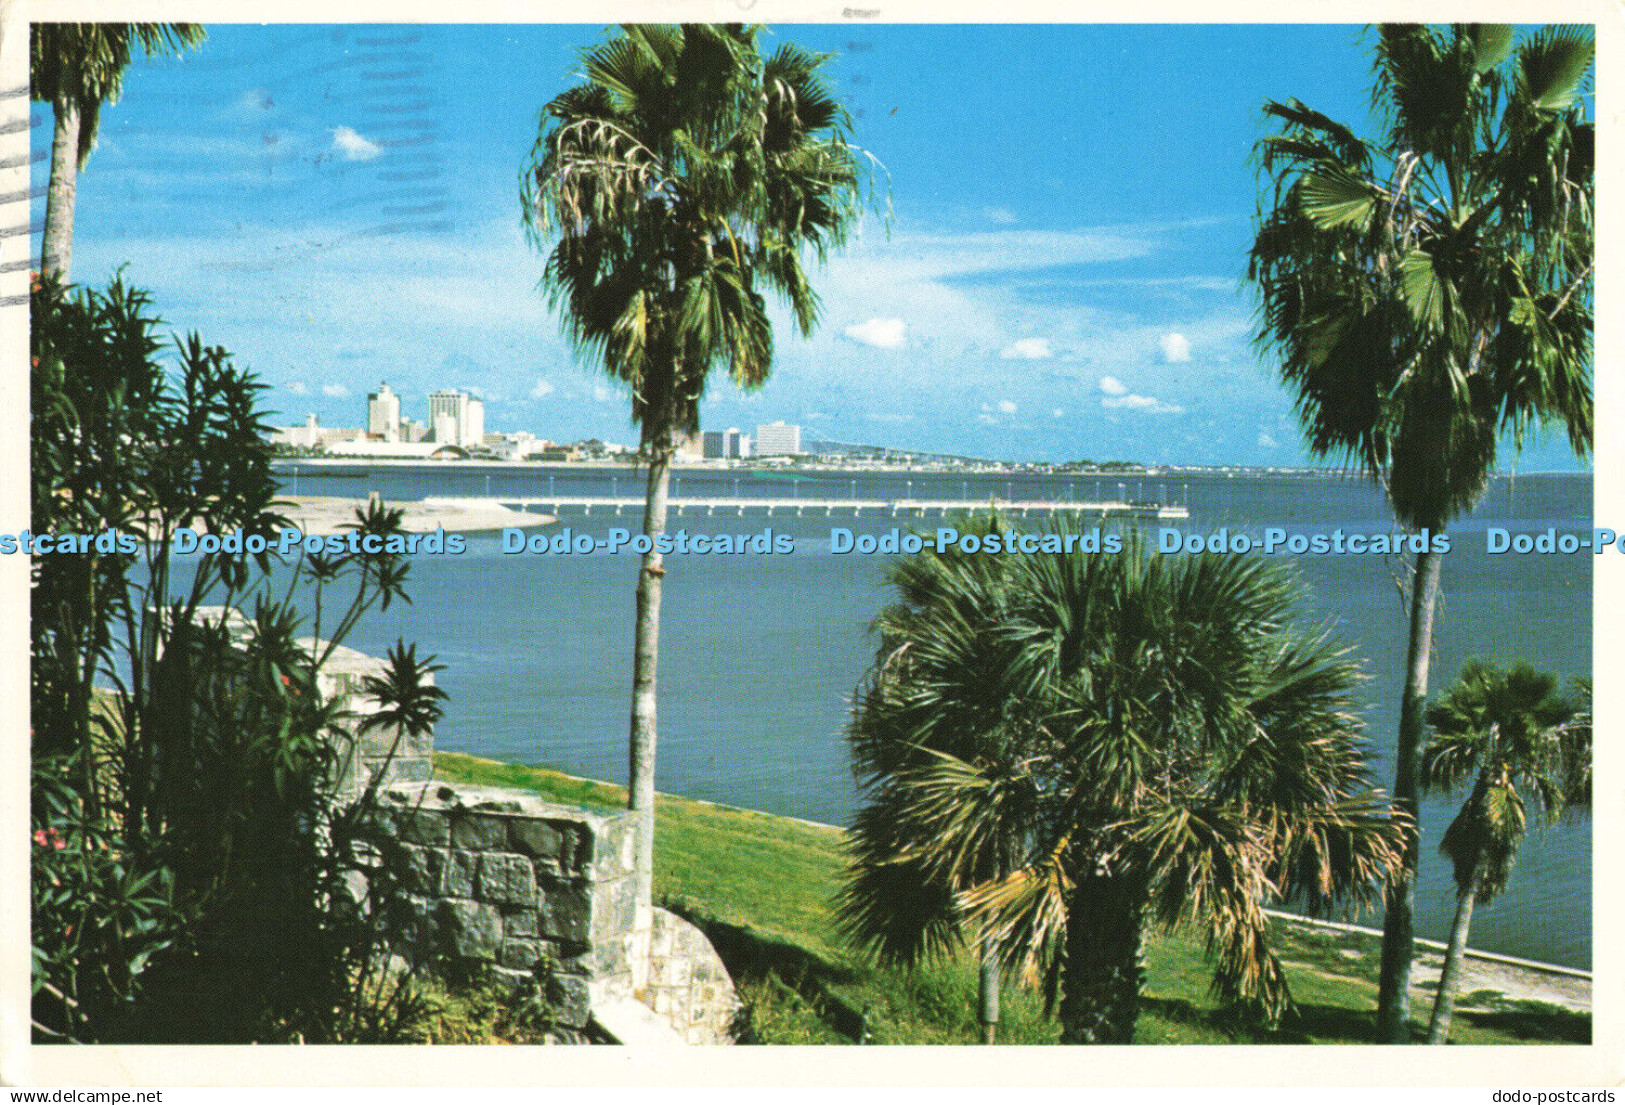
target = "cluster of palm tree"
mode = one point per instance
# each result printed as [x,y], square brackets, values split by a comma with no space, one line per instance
[1060,751]
[1428,293]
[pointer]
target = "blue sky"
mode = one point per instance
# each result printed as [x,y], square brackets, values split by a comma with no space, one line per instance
[1061,277]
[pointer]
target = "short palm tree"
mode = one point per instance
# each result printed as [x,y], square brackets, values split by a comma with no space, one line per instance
[408,702]
[1428,293]
[1058,751]
[1510,735]
[76,68]
[683,179]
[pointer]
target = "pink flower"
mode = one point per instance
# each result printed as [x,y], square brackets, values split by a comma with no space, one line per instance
[40,838]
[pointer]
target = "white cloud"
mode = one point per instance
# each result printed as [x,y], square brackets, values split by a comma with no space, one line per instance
[1265,441]
[889,417]
[1001,215]
[603,393]
[1147,403]
[1028,349]
[542,390]
[882,333]
[335,391]
[1006,407]
[298,388]
[1175,347]
[1058,413]
[1111,385]
[987,418]
[353,146]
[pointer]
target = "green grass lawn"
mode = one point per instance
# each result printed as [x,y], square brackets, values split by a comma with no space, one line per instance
[761,885]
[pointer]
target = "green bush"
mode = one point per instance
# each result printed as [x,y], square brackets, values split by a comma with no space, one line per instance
[206,885]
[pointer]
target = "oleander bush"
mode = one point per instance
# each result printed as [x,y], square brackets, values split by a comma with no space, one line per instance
[195,879]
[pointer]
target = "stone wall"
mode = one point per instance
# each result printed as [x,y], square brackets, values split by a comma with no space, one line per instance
[503,885]
[688,984]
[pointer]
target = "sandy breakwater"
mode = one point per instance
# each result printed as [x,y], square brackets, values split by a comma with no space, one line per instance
[321,515]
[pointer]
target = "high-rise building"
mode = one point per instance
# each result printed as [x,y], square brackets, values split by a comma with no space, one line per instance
[457,417]
[384,414]
[778,439]
[727,444]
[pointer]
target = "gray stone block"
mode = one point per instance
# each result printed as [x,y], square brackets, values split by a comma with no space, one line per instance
[480,832]
[568,997]
[566,914]
[423,870]
[472,930]
[462,870]
[610,853]
[414,770]
[421,827]
[520,955]
[412,925]
[507,879]
[614,907]
[609,956]
[507,978]
[537,839]
[521,922]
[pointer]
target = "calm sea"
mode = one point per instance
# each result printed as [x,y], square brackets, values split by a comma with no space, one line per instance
[759,654]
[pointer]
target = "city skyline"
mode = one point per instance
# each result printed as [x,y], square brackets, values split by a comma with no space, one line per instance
[1061,277]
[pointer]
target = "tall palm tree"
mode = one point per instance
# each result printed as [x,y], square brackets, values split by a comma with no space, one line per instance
[1061,750]
[683,178]
[1429,293]
[76,68]
[1512,735]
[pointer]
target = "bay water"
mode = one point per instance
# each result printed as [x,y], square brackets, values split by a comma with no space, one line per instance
[759,654]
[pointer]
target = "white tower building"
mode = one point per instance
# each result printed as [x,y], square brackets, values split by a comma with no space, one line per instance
[777,439]
[384,414]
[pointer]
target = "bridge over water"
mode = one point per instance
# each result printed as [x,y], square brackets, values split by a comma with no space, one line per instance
[739,506]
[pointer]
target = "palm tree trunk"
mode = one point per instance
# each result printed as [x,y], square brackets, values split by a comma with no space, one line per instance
[641,750]
[1398,929]
[1104,971]
[987,997]
[1450,979]
[56,249]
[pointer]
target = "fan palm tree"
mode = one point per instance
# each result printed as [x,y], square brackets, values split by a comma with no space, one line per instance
[682,179]
[1512,735]
[1060,750]
[1429,294]
[76,68]
[891,904]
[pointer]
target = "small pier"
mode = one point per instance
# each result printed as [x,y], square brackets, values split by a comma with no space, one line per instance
[739,507]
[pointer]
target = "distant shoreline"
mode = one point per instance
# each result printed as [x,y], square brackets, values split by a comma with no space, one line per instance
[1008,467]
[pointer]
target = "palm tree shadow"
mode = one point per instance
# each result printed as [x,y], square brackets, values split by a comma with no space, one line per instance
[1305,1024]
[1539,1024]
[752,956]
